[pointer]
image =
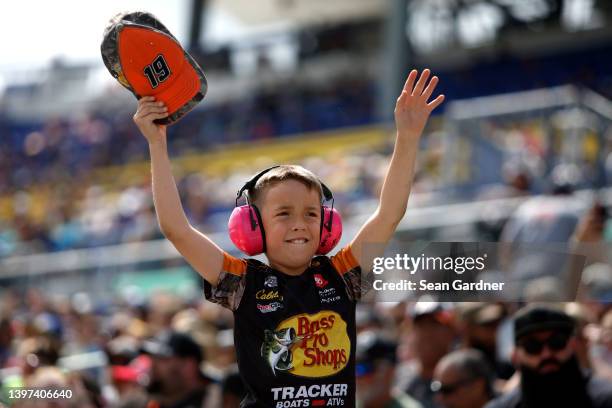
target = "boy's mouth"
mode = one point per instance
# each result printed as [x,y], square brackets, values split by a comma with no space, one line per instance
[297,241]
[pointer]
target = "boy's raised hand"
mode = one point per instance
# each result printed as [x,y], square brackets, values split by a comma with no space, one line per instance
[148,110]
[412,109]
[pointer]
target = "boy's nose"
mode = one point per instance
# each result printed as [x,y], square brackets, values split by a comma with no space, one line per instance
[299,224]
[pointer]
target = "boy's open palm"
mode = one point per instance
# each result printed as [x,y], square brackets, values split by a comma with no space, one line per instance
[412,109]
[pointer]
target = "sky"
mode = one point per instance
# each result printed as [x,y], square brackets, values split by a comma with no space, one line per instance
[35,31]
[72,30]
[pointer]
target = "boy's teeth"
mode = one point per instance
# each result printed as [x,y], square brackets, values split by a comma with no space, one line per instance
[298,241]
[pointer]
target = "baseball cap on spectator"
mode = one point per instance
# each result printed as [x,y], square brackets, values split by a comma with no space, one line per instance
[541,317]
[177,344]
[122,349]
[372,347]
[142,54]
[442,312]
[232,384]
[125,373]
[172,344]
[134,372]
[597,280]
[481,313]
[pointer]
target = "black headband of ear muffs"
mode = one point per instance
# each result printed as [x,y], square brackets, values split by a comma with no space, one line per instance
[249,185]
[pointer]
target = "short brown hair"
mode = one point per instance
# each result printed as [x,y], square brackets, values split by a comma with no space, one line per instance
[282,173]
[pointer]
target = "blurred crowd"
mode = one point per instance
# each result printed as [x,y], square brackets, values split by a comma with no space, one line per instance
[73,146]
[167,352]
[75,214]
[78,208]
[55,193]
[52,196]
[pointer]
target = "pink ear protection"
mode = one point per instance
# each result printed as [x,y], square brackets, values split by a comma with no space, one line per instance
[246,229]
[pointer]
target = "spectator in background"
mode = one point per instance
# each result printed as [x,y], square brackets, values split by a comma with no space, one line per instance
[545,355]
[540,223]
[177,380]
[478,324]
[583,317]
[601,349]
[375,365]
[52,378]
[431,337]
[463,379]
[233,390]
[517,183]
[6,338]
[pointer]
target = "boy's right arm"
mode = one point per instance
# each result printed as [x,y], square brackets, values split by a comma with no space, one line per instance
[201,253]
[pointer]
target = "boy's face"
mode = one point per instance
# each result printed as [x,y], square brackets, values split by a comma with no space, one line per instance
[291,215]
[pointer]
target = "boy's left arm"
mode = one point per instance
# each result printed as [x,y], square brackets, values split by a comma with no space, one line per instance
[411,113]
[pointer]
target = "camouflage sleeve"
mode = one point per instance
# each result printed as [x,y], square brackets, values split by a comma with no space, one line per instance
[346,265]
[231,283]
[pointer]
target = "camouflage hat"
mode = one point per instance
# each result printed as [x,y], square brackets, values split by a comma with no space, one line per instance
[140,52]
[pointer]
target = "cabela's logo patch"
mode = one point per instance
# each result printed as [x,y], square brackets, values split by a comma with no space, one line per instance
[308,345]
[268,295]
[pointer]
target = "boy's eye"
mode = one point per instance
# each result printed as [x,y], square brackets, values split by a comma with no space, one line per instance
[313,214]
[282,213]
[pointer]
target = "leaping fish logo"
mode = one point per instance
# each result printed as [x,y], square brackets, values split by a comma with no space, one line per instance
[276,348]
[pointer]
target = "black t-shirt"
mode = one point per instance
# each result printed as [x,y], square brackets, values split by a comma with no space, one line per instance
[294,335]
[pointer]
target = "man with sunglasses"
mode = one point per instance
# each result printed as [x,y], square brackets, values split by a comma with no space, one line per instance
[545,355]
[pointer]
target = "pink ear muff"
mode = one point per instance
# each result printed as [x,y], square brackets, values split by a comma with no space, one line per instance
[245,230]
[330,235]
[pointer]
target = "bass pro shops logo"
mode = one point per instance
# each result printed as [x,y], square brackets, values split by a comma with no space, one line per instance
[308,345]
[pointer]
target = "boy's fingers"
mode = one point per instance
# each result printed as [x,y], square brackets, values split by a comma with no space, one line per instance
[436,102]
[402,96]
[151,103]
[148,101]
[410,80]
[147,109]
[158,115]
[145,100]
[152,116]
[156,109]
[421,83]
[430,88]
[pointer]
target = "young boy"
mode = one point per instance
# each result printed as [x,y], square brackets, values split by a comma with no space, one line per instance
[294,319]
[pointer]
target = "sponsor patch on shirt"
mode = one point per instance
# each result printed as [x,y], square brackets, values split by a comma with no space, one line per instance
[328,295]
[270,307]
[315,395]
[271,281]
[268,295]
[308,345]
[320,281]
